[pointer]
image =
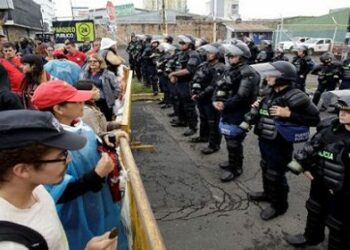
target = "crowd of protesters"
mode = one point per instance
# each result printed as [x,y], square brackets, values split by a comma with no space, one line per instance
[59,131]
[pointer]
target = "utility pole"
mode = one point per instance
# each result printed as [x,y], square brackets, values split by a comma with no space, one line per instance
[214,20]
[165,27]
[71,9]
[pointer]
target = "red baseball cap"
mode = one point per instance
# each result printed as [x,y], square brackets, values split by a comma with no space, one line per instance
[51,93]
[58,53]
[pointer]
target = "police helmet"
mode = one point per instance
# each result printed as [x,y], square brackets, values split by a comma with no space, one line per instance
[281,70]
[210,49]
[327,57]
[266,42]
[239,49]
[200,42]
[344,103]
[148,38]
[303,48]
[279,51]
[186,39]
[221,53]
[169,39]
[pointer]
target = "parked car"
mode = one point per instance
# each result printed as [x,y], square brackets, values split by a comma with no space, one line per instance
[318,45]
[293,43]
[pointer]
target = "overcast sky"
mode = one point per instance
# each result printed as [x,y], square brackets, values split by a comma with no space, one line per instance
[248,8]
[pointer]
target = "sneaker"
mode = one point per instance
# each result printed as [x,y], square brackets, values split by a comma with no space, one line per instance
[299,240]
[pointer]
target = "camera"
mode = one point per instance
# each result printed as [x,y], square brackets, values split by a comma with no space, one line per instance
[249,119]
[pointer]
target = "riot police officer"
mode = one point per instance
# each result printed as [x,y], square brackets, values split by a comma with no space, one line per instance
[279,55]
[303,64]
[151,77]
[282,118]
[345,83]
[203,85]
[131,50]
[169,39]
[236,90]
[164,53]
[188,61]
[326,161]
[137,55]
[329,73]
[254,51]
[266,52]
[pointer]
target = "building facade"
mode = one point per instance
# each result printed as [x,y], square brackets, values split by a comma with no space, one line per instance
[178,5]
[47,8]
[225,9]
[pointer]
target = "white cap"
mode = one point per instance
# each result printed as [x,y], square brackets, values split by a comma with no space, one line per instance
[106,43]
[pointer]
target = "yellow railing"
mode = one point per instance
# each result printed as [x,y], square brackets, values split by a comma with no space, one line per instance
[144,229]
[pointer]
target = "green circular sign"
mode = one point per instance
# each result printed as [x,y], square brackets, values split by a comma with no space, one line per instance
[84,29]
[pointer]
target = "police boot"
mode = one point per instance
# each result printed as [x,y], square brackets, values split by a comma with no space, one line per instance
[262,195]
[233,171]
[214,139]
[339,235]
[189,132]
[209,150]
[224,165]
[277,194]
[299,240]
[199,139]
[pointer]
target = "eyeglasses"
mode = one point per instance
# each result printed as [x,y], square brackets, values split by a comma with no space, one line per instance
[92,61]
[64,154]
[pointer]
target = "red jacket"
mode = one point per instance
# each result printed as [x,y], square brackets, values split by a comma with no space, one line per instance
[78,57]
[15,75]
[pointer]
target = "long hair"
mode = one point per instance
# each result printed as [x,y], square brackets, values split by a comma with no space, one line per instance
[33,77]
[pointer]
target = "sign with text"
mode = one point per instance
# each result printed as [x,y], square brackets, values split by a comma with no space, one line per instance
[76,31]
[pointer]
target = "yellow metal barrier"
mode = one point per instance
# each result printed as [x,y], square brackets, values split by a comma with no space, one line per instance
[144,228]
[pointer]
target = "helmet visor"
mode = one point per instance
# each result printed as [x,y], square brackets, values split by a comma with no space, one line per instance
[266,69]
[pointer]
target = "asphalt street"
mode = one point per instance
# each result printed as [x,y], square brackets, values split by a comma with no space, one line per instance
[194,210]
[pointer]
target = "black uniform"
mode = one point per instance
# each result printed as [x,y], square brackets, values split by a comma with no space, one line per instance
[238,89]
[254,51]
[203,86]
[303,65]
[327,157]
[187,112]
[265,55]
[150,76]
[132,52]
[328,78]
[345,83]
[275,147]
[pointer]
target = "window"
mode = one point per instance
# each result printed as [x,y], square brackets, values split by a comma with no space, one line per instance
[234,9]
[328,41]
[320,42]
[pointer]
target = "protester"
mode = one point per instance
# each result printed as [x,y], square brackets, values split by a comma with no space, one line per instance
[83,188]
[34,74]
[10,54]
[63,69]
[92,114]
[33,151]
[105,81]
[8,100]
[74,54]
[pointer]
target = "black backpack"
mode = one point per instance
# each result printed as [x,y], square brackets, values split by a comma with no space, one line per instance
[23,235]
